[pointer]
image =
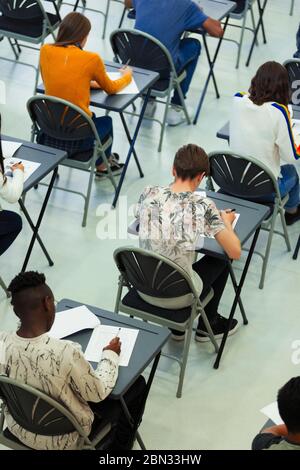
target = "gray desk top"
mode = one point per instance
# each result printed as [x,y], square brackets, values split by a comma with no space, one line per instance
[150,340]
[118,103]
[216,9]
[47,156]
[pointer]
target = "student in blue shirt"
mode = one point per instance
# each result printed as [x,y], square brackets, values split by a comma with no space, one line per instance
[167,20]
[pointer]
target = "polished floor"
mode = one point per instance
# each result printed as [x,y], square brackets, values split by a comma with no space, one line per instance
[219,409]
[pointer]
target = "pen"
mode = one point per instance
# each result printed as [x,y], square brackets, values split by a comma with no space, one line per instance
[231,210]
[117,335]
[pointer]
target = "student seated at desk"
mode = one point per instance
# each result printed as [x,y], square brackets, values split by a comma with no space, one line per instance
[59,368]
[260,127]
[69,72]
[11,188]
[284,436]
[168,20]
[172,218]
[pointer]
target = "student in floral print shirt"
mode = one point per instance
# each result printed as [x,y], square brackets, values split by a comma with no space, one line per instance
[172,218]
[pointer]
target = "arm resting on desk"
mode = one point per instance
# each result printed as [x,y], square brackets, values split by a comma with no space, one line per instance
[277,430]
[228,239]
[213,27]
[128,3]
[100,76]
[12,189]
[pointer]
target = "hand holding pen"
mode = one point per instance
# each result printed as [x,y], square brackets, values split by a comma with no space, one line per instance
[228,216]
[115,344]
[17,166]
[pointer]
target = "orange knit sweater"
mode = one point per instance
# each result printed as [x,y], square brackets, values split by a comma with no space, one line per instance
[67,73]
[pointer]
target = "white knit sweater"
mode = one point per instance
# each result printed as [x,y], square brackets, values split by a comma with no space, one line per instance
[11,189]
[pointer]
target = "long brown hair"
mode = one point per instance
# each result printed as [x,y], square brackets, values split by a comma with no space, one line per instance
[73,29]
[270,83]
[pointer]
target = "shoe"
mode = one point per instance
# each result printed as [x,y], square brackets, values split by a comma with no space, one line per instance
[178,336]
[115,167]
[114,157]
[290,219]
[150,108]
[218,327]
[175,116]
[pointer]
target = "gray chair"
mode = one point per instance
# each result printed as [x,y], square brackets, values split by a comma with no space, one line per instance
[154,275]
[292,7]
[247,178]
[143,50]
[36,412]
[60,124]
[29,22]
[293,69]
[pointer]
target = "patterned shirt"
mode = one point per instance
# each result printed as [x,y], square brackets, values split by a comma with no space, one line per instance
[171,223]
[59,369]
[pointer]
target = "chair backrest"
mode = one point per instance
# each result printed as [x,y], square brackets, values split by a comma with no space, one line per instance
[241,176]
[241,8]
[143,50]
[35,411]
[293,69]
[152,274]
[61,124]
[21,9]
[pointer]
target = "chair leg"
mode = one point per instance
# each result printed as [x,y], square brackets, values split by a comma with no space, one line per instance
[268,248]
[3,285]
[210,331]
[122,18]
[253,23]
[295,255]
[119,293]
[185,353]
[163,127]
[292,7]
[240,44]
[105,18]
[188,120]
[285,232]
[88,194]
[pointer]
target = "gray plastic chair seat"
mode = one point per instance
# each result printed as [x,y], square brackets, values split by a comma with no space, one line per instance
[239,10]
[30,28]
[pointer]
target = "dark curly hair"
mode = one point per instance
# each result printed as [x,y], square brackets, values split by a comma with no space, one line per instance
[289,404]
[27,280]
[270,83]
[190,161]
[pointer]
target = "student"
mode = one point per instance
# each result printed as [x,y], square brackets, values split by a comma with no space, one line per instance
[58,368]
[69,73]
[260,126]
[284,436]
[168,20]
[11,188]
[172,218]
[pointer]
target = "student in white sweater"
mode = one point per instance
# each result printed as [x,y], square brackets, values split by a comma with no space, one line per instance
[260,126]
[11,188]
[58,368]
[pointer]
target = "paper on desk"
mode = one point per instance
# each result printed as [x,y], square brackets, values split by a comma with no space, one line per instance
[70,321]
[101,337]
[296,130]
[29,167]
[271,411]
[130,89]
[9,148]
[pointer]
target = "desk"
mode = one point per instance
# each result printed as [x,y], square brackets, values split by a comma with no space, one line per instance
[49,159]
[118,103]
[148,346]
[218,10]
[251,217]
[260,24]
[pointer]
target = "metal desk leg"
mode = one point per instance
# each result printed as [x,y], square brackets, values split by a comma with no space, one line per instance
[131,149]
[295,255]
[259,25]
[235,286]
[35,228]
[237,295]
[211,71]
[133,424]
[129,140]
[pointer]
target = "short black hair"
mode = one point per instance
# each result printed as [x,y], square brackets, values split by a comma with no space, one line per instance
[27,280]
[288,399]
[190,161]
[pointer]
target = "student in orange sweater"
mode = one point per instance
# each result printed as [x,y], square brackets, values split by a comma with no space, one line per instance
[69,73]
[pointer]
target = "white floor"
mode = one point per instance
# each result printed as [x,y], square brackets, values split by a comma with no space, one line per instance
[219,409]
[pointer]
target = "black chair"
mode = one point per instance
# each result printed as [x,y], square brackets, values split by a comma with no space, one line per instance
[145,51]
[247,178]
[60,124]
[36,412]
[157,276]
[293,69]
[27,21]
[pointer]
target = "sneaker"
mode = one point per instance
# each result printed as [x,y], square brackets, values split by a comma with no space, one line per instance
[219,328]
[290,219]
[150,108]
[175,116]
[115,167]
[179,336]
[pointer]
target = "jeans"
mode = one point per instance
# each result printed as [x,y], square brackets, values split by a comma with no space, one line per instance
[111,410]
[288,184]
[10,227]
[104,128]
[189,51]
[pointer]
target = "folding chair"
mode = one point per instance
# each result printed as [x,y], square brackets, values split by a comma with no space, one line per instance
[247,178]
[152,274]
[292,7]
[144,51]
[36,412]
[131,15]
[293,69]
[60,124]
[27,21]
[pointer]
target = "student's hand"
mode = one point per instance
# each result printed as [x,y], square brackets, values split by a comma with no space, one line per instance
[213,27]
[227,216]
[95,85]
[114,345]
[126,71]
[17,166]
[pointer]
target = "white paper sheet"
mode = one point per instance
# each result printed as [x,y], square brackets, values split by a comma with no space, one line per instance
[296,130]
[130,89]
[70,321]
[271,411]
[29,167]
[101,337]
[9,148]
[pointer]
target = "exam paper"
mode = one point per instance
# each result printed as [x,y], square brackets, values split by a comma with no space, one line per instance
[296,130]
[29,167]
[9,148]
[101,337]
[271,411]
[70,321]
[130,89]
